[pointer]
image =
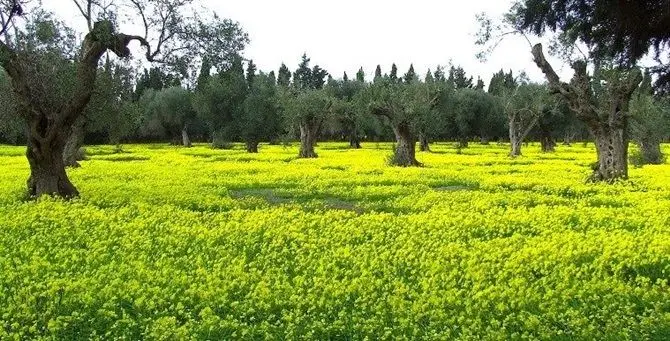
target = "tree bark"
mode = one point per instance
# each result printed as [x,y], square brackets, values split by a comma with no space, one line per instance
[49,128]
[47,169]
[650,150]
[186,141]
[612,149]
[547,141]
[607,122]
[252,147]
[404,154]
[73,152]
[308,132]
[423,143]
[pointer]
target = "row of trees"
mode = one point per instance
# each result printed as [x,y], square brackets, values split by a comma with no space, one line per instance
[59,91]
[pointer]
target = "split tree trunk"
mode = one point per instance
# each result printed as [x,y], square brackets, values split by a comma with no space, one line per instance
[308,134]
[404,154]
[252,147]
[423,143]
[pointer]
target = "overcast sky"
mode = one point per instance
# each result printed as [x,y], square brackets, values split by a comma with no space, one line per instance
[347,34]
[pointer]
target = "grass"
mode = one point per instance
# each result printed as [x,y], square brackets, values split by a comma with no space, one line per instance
[173,243]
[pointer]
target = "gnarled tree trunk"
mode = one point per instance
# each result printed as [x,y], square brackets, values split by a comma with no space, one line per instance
[47,168]
[612,148]
[607,122]
[404,153]
[423,143]
[308,133]
[252,146]
[49,128]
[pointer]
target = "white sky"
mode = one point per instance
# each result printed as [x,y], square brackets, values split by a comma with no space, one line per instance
[347,34]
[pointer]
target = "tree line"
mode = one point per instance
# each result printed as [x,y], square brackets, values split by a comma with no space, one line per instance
[59,92]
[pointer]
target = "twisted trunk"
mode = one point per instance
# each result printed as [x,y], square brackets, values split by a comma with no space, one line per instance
[308,133]
[47,167]
[404,154]
[50,128]
[607,122]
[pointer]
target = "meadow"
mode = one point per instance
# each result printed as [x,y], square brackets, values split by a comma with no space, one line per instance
[169,243]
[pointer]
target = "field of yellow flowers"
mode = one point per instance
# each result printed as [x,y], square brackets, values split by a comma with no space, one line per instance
[169,243]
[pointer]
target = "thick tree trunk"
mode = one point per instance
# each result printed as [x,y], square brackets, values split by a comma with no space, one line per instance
[423,143]
[404,154]
[650,150]
[47,169]
[186,141]
[252,147]
[612,148]
[308,133]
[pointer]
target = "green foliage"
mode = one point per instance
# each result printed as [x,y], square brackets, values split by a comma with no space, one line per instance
[166,112]
[305,106]
[220,104]
[261,120]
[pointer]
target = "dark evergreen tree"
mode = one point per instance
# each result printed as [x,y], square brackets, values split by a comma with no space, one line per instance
[378,73]
[360,75]
[394,73]
[284,76]
[410,76]
[251,72]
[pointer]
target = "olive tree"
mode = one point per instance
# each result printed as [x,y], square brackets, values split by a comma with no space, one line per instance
[524,106]
[306,109]
[50,107]
[402,106]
